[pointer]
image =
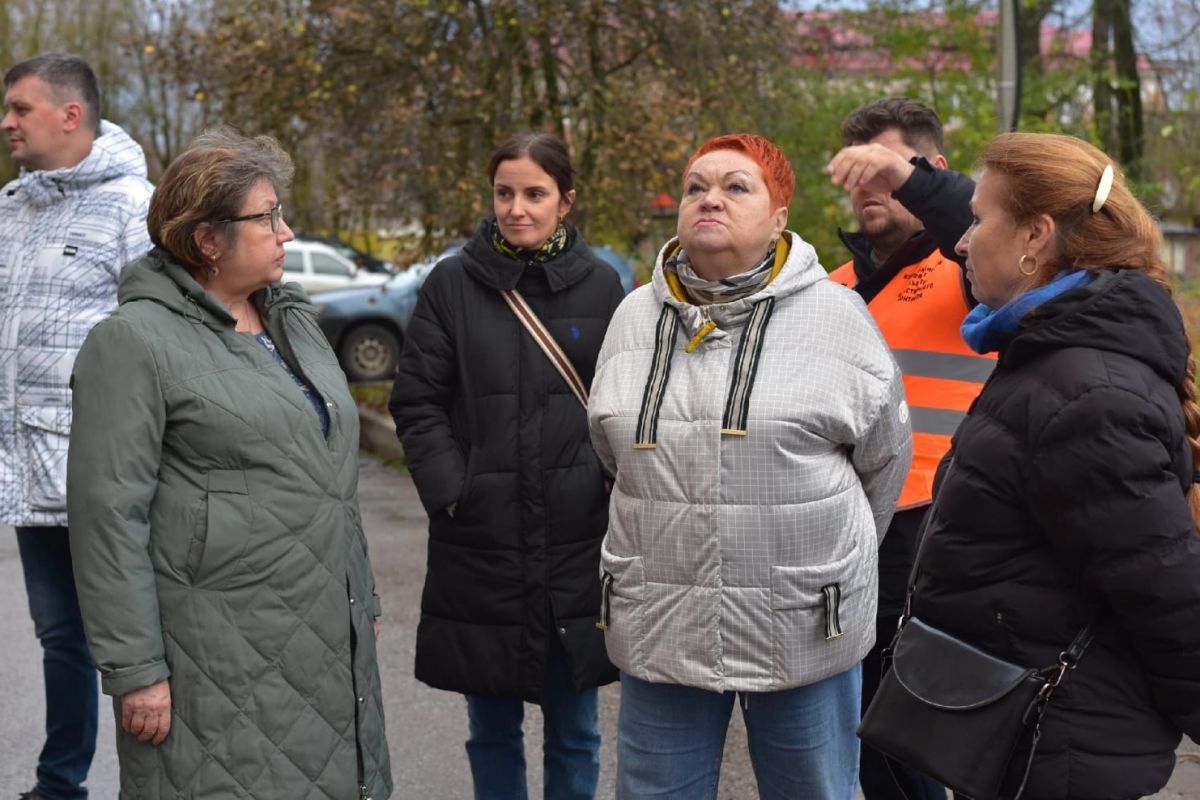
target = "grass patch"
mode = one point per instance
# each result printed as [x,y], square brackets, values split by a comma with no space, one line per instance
[372,395]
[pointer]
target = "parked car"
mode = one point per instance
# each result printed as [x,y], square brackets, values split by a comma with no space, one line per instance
[318,267]
[620,265]
[361,258]
[366,326]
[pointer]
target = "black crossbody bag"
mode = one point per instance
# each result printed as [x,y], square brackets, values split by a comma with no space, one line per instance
[953,712]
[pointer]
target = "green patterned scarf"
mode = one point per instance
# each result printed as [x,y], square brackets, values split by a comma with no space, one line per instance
[558,242]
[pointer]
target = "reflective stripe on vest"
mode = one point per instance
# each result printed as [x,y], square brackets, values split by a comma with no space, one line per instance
[920,313]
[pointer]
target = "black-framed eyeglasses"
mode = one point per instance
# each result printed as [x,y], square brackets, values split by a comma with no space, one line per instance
[275,215]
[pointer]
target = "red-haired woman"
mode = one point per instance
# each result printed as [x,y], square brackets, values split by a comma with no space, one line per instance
[755,422]
[1066,500]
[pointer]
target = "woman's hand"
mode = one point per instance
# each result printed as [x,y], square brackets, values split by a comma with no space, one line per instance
[377,626]
[146,713]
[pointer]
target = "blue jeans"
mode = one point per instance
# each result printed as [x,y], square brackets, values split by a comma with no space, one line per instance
[67,668]
[571,750]
[802,744]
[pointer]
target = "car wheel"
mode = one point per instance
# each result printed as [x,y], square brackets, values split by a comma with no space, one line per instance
[369,353]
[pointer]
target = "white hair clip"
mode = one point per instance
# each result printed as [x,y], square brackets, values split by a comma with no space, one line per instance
[1106,181]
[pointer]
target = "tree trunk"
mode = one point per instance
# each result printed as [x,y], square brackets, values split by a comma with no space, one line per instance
[1101,61]
[1033,13]
[1131,142]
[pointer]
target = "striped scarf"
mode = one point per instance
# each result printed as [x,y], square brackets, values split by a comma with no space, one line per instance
[551,249]
[703,292]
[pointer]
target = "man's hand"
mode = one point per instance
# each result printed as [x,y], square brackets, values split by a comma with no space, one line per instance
[146,713]
[870,167]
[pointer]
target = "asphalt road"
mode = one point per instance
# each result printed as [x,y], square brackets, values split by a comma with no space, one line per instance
[426,728]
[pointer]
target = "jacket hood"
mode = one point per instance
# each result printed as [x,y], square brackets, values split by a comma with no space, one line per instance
[114,155]
[800,270]
[160,278]
[500,272]
[1122,311]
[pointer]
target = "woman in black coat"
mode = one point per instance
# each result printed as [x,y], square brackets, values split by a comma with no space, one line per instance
[1068,497]
[498,448]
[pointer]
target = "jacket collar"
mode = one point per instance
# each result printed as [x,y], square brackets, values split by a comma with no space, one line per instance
[871,280]
[1123,311]
[800,270]
[160,278]
[502,273]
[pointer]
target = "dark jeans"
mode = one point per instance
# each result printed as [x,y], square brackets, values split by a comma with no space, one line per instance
[68,672]
[571,739]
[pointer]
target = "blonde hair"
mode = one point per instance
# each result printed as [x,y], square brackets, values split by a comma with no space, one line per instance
[1058,176]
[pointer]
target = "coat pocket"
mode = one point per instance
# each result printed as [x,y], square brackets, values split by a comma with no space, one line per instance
[47,430]
[623,592]
[822,614]
[463,503]
[222,527]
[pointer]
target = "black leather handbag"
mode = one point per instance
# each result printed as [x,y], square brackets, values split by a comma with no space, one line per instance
[955,713]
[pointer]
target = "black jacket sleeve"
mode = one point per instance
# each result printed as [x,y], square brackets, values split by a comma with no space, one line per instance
[1103,490]
[941,199]
[423,394]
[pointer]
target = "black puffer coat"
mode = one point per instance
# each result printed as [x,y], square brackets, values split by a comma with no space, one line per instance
[488,423]
[1064,504]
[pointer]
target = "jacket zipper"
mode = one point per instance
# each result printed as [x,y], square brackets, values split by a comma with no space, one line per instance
[704,330]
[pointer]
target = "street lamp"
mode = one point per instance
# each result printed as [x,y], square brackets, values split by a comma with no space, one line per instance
[1008,67]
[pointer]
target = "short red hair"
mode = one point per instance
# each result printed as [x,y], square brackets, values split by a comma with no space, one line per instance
[776,169]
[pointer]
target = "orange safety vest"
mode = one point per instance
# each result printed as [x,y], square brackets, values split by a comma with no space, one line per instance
[920,312]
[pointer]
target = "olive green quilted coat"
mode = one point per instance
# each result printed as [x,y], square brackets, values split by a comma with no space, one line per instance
[217,543]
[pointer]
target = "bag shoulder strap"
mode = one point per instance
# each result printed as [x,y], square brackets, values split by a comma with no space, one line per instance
[544,340]
[1068,658]
[915,571]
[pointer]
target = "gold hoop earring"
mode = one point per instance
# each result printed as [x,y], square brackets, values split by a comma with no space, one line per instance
[1021,266]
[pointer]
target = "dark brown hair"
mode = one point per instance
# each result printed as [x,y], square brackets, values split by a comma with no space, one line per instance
[919,125]
[69,78]
[545,149]
[209,181]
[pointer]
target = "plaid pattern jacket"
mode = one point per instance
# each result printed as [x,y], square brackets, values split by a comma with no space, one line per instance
[64,236]
[757,467]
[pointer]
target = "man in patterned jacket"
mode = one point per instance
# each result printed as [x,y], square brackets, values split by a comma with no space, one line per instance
[73,217]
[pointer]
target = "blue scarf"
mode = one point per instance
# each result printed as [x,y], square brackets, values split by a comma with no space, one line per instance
[986,328]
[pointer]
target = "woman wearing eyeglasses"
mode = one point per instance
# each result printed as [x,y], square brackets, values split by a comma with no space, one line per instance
[219,554]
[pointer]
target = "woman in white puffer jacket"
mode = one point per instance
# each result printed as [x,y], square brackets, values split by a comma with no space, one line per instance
[754,420]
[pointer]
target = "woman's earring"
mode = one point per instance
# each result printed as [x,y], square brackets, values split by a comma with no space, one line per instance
[1021,266]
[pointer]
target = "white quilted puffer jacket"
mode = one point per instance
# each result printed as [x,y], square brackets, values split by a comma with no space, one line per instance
[65,234]
[757,468]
